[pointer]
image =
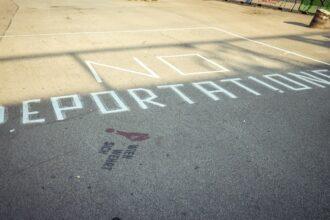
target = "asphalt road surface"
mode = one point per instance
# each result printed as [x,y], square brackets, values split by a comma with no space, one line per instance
[162,110]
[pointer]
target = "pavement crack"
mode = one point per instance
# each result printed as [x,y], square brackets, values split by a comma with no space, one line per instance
[11,20]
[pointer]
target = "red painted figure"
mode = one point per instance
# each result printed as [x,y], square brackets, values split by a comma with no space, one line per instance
[133,136]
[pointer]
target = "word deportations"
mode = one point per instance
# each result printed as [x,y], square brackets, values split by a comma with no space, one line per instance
[145,98]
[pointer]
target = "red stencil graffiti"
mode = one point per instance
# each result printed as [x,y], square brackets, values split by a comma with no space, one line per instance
[132,136]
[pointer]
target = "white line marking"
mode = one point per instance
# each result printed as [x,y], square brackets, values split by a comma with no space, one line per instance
[221,68]
[26,113]
[121,106]
[2,114]
[235,81]
[211,93]
[310,79]
[149,99]
[169,29]
[60,110]
[103,32]
[302,86]
[270,46]
[98,79]
[178,92]
[265,84]
[319,72]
